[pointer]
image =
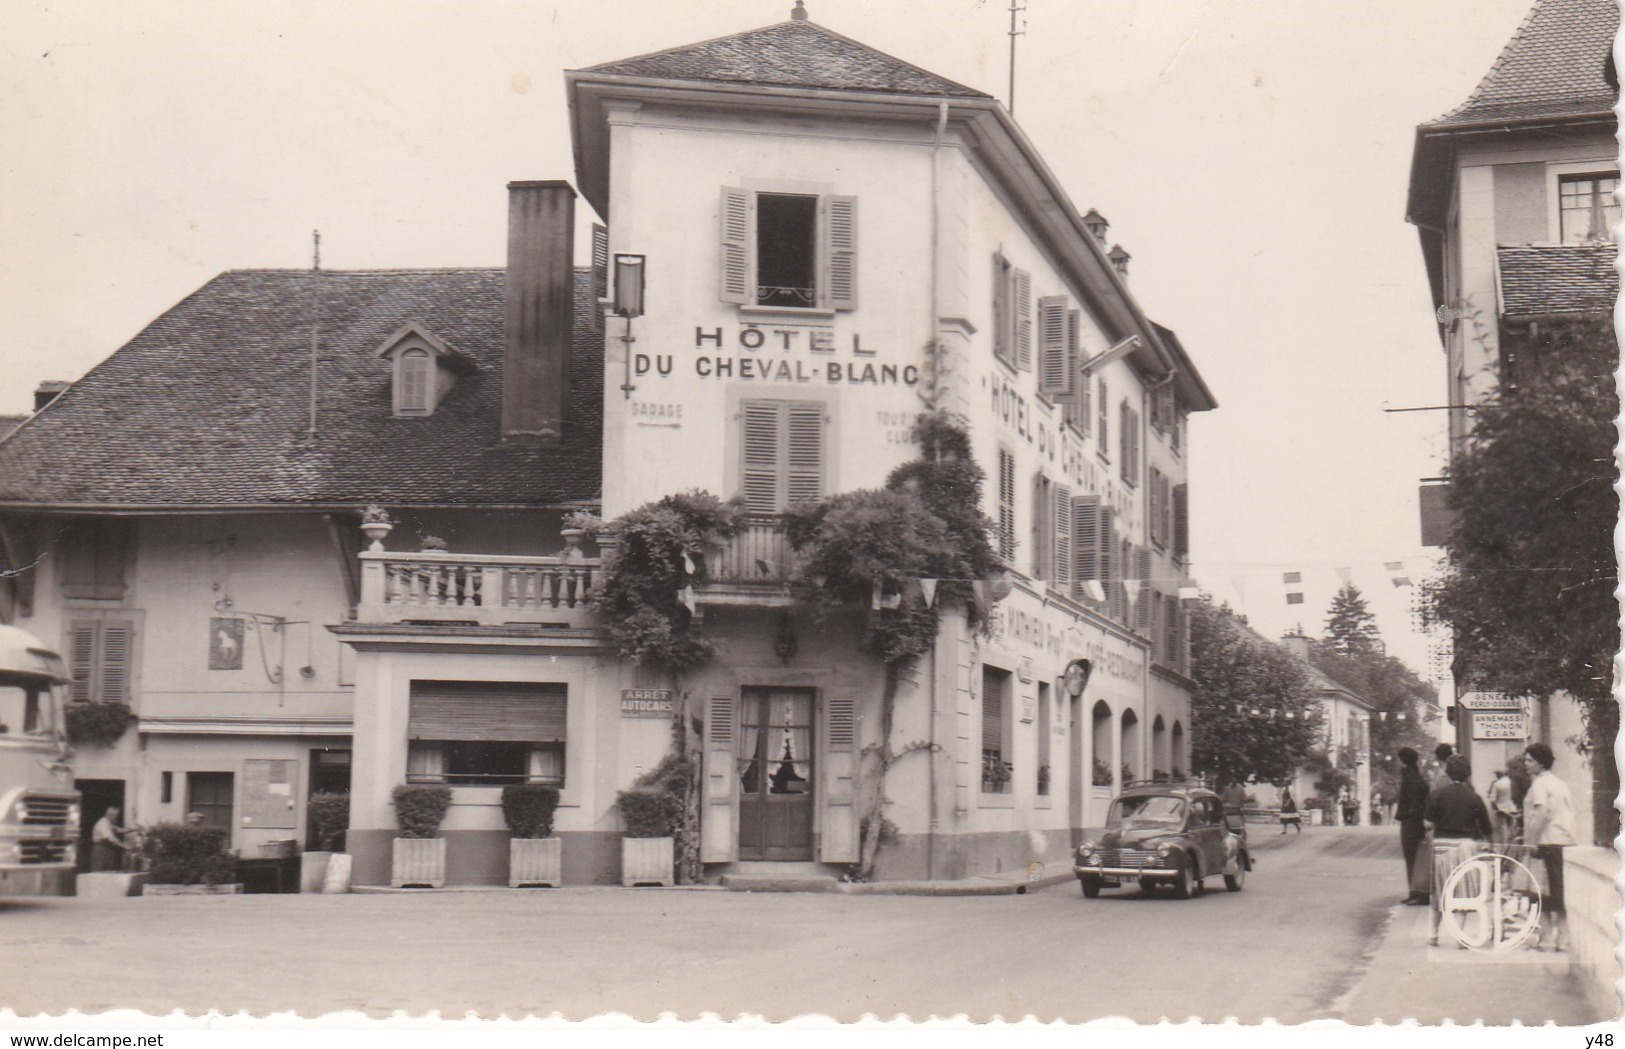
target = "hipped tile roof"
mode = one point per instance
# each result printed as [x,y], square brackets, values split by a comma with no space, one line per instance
[798,54]
[210,405]
[1538,279]
[1552,67]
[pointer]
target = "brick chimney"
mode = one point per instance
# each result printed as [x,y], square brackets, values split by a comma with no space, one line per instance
[540,310]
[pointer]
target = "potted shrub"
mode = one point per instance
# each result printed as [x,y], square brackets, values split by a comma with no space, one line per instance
[534,855]
[647,855]
[101,724]
[186,860]
[329,813]
[418,858]
[375,525]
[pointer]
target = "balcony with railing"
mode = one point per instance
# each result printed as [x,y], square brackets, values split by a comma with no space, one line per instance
[754,567]
[479,589]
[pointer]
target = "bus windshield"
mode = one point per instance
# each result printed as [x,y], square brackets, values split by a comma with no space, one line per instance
[26,710]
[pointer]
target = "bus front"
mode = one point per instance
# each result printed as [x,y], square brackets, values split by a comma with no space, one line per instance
[39,808]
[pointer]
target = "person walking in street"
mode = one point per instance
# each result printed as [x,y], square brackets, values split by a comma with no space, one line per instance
[1289,812]
[107,845]
[1548,824]
[1413,798]
[1503,810]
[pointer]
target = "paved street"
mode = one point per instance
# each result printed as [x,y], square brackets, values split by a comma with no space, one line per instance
[1287,947]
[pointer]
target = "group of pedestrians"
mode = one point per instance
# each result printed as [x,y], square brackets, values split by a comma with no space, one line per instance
[1451,811]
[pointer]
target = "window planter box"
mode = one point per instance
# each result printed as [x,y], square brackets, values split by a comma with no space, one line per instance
[646,861]
[418,862]
[535,861]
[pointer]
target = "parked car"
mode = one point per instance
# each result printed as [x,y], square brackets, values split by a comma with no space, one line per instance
[1164,833]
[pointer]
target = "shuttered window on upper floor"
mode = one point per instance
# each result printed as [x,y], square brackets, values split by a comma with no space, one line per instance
[789,250]
[1012,314]
[92,558]
[101,657]
[782,453]
[1007,506]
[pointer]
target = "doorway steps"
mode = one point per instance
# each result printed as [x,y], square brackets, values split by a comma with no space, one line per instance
[770,876]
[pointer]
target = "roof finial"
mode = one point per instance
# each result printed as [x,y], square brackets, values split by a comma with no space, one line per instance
[800,12]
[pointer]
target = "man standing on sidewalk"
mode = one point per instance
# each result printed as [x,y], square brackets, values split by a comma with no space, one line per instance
[1548,824]
[1413,798]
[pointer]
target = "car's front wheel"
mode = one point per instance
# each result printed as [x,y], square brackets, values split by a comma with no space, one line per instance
[1235,881]
[1188,881]
[1091,887]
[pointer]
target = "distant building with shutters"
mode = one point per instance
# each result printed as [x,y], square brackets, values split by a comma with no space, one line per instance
[835,242]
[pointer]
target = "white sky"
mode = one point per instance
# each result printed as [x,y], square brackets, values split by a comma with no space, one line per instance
[1252,155]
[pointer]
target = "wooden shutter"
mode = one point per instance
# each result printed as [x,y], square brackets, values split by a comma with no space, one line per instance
[1103,438]
[781,453]
[804,452]
[1002,309]
[1024,320]
[1085,542]
[839,840]
[1142,610]
[1124,449]
[82,660]
[1110,567]
[841,250]
[1153,501]
[1085,422]
[736,245]
[1063,537]
[487,711]
[1007,506]
[600,274]
[759,455]
[101,654]
[1181,522]
[993,710]
[1053,374]
[719,842]
[117,657]
[1042,521]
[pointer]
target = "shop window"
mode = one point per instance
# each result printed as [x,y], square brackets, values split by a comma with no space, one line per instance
[782,454]
[996,766]
[789,250]
[477,733]
[209,794]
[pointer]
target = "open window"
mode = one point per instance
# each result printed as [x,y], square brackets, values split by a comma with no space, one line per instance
[789,250]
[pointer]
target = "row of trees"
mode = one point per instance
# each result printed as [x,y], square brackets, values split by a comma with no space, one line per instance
[1254,714]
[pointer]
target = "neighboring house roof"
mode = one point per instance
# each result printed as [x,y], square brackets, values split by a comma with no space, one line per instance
[1541,279]
[798,54]
[9,423]
[1552,67]
[209,406]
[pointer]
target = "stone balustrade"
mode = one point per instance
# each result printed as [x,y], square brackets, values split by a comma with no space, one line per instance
[482,589]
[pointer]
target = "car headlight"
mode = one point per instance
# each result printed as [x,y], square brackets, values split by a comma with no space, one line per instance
[1094,859]
[1164,849]
[1086,848]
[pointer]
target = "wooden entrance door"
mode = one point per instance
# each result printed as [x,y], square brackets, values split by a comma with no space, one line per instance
[776,774]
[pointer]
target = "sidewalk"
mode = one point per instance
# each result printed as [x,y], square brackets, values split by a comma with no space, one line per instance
[1407,979]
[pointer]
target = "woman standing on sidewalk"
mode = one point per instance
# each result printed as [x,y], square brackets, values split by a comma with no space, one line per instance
[1413,799]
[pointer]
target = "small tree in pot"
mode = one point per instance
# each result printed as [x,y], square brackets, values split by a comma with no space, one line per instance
[652,811]
[534,855]
[419,857]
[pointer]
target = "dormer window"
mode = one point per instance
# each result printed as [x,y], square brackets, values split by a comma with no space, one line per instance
[425,369]
[412,385]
